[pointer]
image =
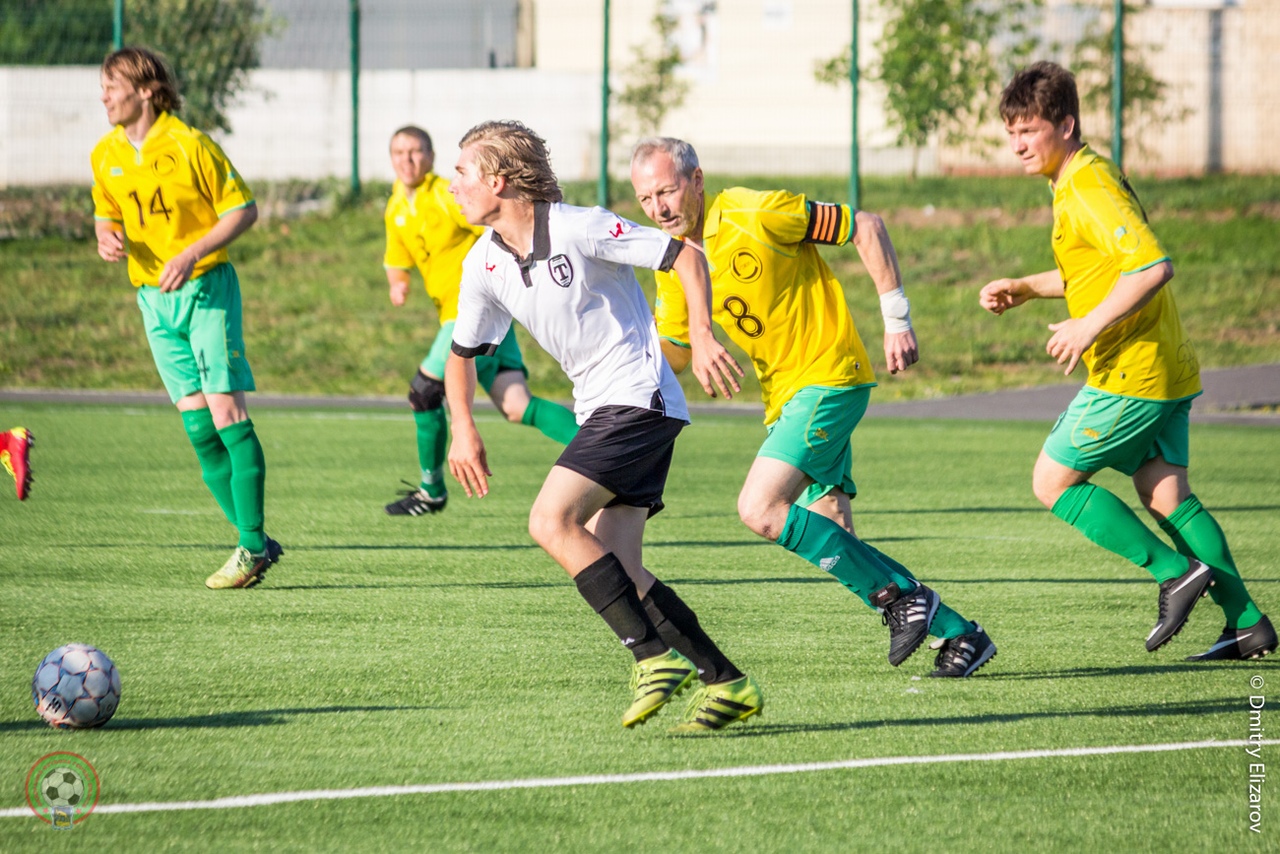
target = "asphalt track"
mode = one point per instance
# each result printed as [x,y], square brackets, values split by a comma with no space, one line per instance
[1249,395]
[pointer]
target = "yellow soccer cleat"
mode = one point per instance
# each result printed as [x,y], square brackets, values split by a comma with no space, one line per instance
[244,569]
[655,681]
[716,706]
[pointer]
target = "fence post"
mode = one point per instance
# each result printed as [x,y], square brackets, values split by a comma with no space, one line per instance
[1117,88]
[855,175]
[117,25]
[355,97]
[602,185]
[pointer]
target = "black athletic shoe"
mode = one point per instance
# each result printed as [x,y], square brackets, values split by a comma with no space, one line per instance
[1177,597]
[908,616]
[416,502]
[1241,644]
[961,655]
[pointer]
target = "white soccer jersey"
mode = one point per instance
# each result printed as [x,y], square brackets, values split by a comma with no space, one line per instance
[578,296]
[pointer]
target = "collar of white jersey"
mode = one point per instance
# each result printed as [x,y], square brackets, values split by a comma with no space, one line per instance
[541,237]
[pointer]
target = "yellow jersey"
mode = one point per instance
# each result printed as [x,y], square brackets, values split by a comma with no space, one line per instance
[773,294]
[1100,233]
[165,194]
[428,230]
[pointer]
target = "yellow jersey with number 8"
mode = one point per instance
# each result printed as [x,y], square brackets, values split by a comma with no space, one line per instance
[773,294]
[165,195]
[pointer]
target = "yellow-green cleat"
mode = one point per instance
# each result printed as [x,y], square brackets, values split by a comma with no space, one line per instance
[716,706]
[655,681]
[243,568]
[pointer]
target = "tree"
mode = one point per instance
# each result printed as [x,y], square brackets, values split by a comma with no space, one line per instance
[211,44]
[70,32]
[942,63]
[651,87]
[1093,62]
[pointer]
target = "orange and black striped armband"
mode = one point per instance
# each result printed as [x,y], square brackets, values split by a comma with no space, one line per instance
[828,224]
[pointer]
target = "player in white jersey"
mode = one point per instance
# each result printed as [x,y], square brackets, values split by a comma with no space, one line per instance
[566,274]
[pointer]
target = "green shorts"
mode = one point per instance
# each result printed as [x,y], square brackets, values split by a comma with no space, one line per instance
[195,334]
[813,433]
[507,358]
[1101,430]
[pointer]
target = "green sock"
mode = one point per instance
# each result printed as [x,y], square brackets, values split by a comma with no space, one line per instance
[832,549]
[215,463]
[433,433]
[946,623]
[555,422]
[1108,522]
[248,477]
[1196,534]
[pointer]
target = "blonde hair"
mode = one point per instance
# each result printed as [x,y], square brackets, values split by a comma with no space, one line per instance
[146,69]
[510,150]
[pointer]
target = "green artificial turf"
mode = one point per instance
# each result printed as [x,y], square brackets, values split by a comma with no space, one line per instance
[389,651]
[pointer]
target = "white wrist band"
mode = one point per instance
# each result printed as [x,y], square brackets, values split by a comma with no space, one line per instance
[896,309]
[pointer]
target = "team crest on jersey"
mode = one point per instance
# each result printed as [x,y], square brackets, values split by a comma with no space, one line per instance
[746,266]
[164,164]
[561,270]
[116,171]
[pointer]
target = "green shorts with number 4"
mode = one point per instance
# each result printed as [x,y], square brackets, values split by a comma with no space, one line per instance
[507,358]
[813,433]
[196,336]
[1101,430]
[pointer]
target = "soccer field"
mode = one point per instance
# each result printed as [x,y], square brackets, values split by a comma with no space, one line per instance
[437,684]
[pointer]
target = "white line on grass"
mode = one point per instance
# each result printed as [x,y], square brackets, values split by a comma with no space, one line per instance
[646,777]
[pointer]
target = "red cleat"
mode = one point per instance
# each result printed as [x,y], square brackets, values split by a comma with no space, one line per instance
[15,456]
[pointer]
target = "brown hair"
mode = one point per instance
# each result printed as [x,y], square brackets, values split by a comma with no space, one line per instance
[417,133]
[146,69]
[1044,90]
[510,150]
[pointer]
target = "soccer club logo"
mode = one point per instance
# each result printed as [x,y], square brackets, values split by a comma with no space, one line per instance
[62,789]
[561,270]
[745,266]
[164,164]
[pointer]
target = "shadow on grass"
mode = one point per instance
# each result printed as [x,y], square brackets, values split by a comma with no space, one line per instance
[474,585]
[265,717]
[1226,705]
[826,579]
[408,547]
[1129,670]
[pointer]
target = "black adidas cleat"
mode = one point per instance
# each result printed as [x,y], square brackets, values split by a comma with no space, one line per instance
[416,502]
[962,655]
[1177,597]
[1241,644]
[908,616]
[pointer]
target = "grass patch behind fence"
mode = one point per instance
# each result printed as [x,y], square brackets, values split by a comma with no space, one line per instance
[318,320]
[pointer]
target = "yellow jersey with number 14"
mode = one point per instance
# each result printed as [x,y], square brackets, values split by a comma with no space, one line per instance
[166,194]
[773,294]
[1100,235]
[428,230]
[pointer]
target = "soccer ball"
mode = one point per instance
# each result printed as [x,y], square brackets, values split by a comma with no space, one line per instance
[76,687]
[62,787]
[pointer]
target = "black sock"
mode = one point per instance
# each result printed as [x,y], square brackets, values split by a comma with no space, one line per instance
[678,626]
[610,592]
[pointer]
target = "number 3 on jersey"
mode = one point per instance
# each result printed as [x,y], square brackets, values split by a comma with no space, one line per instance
[748,324]
[157,206]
